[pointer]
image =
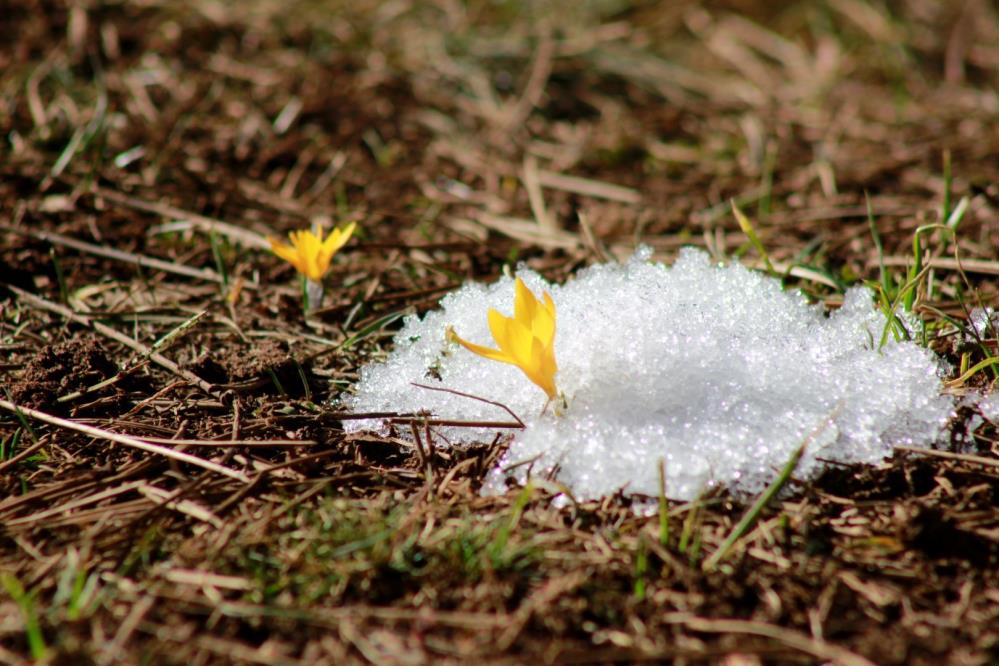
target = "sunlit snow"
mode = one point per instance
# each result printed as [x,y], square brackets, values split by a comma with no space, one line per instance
[713,370]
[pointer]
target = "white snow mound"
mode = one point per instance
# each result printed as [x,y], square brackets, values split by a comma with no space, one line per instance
[715,370]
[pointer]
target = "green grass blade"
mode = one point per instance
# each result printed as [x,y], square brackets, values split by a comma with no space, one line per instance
[32,628]
[376,325]
[506,529]
[641,567]
[948,185]
[751,516]
[171,336]
[750,231]
[220,267]
[956,215]
[883,272]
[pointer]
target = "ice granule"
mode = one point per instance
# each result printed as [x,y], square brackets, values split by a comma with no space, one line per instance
[715,370]
[988,405]
[983,321]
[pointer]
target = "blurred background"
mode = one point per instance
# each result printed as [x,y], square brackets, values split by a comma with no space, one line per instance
[511,121]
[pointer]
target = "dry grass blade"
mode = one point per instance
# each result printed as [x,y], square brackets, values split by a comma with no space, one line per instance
[588,187]
[982,266]
[529,232]
[206,224]
[812,646]
[164,498]
[123,256]
[799,272]
[532,183]
[107,435]
[75,504]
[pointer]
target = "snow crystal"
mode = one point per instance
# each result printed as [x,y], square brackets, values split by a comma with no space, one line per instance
[714,370]
[989,407]
[982,321]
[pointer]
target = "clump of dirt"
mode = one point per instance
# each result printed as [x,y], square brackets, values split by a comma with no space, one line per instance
[59,369]
[259,363]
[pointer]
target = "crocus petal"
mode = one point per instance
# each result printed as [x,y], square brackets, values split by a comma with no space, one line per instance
[299,241]
[525,340]
[548,366]
[543,326]
[536,370]
[524,303]
[288,253]
[492,354]
[324,256]
[309,253]
[311,246]
[338,238]
[521,342]
[549,305]
[499,326]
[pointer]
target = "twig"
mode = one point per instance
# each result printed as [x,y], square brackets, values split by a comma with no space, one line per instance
[426,454]
[418,442]
[159,345]
[268,443]
[473,397]
[263,471]
[164,451]
[110,381]
[187,507]
[964,457]
[457,424]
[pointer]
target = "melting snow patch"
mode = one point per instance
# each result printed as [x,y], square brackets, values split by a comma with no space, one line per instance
[716,371]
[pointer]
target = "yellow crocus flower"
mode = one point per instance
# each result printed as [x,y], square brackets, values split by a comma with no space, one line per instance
[309,253]
[526,340]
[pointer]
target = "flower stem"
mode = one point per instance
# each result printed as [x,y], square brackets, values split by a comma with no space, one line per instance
[312,294]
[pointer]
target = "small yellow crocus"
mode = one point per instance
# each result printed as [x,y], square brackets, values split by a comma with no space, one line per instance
[309,253]
[526,340]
